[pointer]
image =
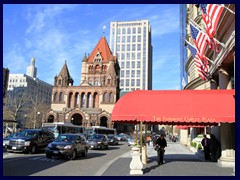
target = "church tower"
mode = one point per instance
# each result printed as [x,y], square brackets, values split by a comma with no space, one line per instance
[63,79]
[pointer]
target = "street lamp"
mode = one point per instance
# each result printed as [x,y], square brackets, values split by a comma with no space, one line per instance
[72,120]
[24,124]
[38,113]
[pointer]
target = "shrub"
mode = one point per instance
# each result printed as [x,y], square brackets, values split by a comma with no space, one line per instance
[199,146]
[194,144]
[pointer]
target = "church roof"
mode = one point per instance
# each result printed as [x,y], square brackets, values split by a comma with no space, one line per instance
[104,50]
[64,72]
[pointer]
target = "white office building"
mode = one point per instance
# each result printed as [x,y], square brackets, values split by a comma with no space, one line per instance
[31,87]
[130,41]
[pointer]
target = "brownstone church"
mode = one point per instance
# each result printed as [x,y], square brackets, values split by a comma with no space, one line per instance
[92,102]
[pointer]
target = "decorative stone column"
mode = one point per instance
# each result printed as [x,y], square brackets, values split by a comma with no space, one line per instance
[213,84]
[136,164]
[227,131]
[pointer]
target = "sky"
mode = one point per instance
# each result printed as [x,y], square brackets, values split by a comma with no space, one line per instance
[53,33]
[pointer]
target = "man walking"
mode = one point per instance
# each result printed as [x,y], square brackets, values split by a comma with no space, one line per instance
[205,143]
[161,143]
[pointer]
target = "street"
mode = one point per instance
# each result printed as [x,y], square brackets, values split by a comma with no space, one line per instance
[20,164]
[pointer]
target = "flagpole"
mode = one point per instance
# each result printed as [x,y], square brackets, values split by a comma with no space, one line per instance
[211,61]
[205,32]
[228,9]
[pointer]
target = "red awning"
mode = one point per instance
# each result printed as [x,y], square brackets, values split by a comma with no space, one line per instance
[186,127]
[176,107]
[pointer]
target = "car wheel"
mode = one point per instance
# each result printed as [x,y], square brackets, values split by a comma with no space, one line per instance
[49,156]
[33,149]
[85,152]
[107,147]
[74,155]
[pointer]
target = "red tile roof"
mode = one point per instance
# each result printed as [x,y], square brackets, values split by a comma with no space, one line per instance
[104,49]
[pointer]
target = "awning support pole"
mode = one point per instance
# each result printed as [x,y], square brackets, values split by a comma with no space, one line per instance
[141,140]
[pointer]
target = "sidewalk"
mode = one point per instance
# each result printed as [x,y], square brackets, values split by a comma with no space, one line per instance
[178,161]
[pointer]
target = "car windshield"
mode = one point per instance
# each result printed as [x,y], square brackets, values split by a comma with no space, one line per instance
[28,133]
[66,138]
[96,137]
[110,137]
[49,128]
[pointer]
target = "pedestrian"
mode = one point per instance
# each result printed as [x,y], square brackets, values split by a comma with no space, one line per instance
[205,143]
[161,143]
[215,148]
[154,138]
[148,140]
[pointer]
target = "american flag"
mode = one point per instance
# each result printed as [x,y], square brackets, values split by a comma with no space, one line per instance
[201,63]
[211,14]
[201,39]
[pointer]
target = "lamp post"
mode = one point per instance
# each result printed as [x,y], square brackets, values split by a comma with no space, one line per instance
[72,120]
[24,124]
[38,113]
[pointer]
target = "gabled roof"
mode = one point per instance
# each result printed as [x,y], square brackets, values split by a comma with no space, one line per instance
[104,49]
[64,72]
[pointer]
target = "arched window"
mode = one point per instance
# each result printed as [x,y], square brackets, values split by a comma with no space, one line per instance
[83,100]
[105,98]
[111,97]
[61,97]
[123,31]
[129,30]
[139,30]
[59,82]
[55,97]
[134,30]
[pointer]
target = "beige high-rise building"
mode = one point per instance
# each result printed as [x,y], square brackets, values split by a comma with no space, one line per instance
[130,41]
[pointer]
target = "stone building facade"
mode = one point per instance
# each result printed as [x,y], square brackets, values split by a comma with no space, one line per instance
[91,102]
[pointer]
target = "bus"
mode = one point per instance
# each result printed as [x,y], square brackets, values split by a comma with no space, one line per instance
[61,128]
[100,130]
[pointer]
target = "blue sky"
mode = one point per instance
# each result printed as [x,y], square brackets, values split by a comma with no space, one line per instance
[55,33]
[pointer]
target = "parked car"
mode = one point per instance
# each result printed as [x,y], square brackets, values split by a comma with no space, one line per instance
[6,139]
[68,145]
[98,141]
[30,140]
[112,139]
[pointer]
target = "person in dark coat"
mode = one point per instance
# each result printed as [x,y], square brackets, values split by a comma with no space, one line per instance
[162,143]
[205,143]
[215,148]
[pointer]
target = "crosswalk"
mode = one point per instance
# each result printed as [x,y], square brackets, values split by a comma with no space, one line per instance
[41,158]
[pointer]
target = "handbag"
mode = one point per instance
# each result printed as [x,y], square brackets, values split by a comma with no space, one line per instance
[156,148]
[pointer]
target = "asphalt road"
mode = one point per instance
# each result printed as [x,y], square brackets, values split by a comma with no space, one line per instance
[96,162]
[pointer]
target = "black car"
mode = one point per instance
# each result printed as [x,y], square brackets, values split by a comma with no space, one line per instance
[30,140]
[68,145]
[112,139]
[98,141]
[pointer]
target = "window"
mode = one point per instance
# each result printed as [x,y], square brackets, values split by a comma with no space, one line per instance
[139,47]
[122,82]
[118,39]
[139,38]
[128,73]
[134,30]
[118,31]
[127,82]
[128,47]
[123,47]
[128,56]
[123,39]
[129,30]
[138,82]
[134,39]
[138,73]
[111,98]
[139,30]
[138,64]
[123,31]
[55,97]
[128,38]
[123,56]
[133,47]
[105,97]
[122,64]
[133,64]
[133,73]
[138,55]
[61,97]
[122,73]
[133,56]
[118,47]
[132,82]
[128,65]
